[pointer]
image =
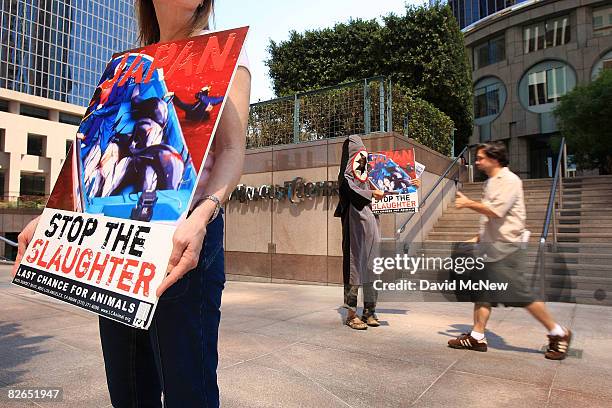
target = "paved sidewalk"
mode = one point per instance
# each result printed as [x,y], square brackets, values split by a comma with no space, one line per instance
[285,346]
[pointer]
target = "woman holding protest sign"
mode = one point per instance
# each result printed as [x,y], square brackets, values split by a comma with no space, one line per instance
[177,357]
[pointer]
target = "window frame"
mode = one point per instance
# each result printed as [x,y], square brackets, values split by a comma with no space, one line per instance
[490,51]
[606,27]
[34,177]
[43,148]
[549,37]
[488,90]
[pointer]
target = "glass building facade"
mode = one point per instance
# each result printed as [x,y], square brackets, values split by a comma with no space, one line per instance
[57,49]
[469,11]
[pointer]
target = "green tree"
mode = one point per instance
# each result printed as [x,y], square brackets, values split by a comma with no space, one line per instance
[426,124]
[422,50]
[585,119]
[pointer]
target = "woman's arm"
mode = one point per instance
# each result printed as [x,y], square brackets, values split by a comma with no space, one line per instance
[230,142]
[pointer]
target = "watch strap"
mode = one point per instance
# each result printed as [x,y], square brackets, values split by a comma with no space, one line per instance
[215,200]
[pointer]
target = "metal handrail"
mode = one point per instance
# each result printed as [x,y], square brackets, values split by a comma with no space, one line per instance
[553,193]
[424,200]
[9,242]
[550,215]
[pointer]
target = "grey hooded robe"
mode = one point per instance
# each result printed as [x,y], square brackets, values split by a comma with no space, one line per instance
[360,228]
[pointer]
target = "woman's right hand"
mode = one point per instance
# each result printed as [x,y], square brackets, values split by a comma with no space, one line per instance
[23,240]
[378,194]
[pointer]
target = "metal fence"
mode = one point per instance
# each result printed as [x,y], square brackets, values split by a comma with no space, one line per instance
[358,107]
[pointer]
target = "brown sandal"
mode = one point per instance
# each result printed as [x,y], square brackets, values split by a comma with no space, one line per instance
[356,323]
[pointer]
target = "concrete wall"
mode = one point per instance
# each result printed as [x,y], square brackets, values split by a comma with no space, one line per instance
[279,241]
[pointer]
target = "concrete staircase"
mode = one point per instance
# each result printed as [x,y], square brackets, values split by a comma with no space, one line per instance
[579,269]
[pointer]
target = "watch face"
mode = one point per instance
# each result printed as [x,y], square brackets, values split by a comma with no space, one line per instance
[360,166]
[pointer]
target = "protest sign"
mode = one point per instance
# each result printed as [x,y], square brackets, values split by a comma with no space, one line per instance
[104,239]
[392,172]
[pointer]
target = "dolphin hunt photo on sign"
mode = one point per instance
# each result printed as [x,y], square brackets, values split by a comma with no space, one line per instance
[393,172]
[103,240]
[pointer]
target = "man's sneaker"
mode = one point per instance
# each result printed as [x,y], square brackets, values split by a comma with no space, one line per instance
[558,346]
[466,341]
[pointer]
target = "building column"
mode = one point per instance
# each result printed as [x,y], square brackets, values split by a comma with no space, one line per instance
[51,177]
[519,156]
[12,181]
[54,115]
[15,145]
[14,107]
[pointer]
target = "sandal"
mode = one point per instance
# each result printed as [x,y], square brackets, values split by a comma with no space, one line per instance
[371,320]
[356,323]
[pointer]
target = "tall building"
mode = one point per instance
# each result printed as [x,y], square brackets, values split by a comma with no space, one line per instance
[52,53]
[523,61]
[57,48]
[468,12]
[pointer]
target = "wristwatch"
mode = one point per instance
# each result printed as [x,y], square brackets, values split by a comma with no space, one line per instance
[215,200]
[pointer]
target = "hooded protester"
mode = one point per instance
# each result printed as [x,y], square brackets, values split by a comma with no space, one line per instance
[360,232]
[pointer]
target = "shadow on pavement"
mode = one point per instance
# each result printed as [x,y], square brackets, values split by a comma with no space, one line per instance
[16,350]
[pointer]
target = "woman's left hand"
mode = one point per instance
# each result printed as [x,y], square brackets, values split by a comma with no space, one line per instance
[416,182]
[186,246]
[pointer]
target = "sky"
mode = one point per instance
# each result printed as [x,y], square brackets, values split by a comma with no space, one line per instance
[273,19]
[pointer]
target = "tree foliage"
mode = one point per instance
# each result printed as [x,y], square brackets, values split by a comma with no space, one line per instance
[426,124]
[585,119]
[422,50]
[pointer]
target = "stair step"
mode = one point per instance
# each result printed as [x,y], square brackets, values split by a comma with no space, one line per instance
[581,192]
[587,200]
[585,247]
[570,182]
[562,247]
[602,228]
[585,220]
[586,206]
[530,210]
[574,212]
[597,176]
[463,236]
[473,228]
[587,297]
[560,268]
[604,235]
[576,282]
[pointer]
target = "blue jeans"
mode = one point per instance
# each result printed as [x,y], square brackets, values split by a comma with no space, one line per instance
[178,354]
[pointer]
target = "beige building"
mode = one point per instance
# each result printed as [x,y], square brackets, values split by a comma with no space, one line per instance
[524,59]
[35,135]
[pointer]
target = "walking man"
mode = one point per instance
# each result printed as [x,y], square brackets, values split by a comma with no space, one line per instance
[502,229]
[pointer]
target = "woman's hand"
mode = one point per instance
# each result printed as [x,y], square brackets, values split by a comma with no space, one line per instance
[23,240]
[186,245]
[378,194]
[416,183]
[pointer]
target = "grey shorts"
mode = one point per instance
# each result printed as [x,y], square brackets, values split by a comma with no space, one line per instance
[509,275]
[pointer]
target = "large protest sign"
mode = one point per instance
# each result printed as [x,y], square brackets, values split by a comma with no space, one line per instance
[104,239]
[392,172]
